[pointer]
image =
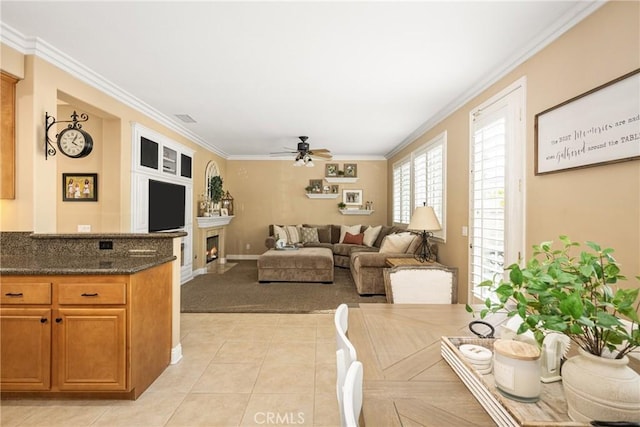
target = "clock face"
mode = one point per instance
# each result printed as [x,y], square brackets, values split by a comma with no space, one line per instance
[75,143]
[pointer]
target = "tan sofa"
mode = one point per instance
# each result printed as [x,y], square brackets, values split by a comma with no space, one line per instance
[366,263]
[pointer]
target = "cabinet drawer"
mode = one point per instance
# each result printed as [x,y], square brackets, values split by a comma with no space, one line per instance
[92,293]
[25,293]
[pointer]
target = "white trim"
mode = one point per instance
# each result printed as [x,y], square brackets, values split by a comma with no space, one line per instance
[241,257]
[515,215]
[40,48]
[176,354]
[580,11]
[291,157]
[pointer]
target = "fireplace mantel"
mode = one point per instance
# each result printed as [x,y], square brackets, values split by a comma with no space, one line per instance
[213,221]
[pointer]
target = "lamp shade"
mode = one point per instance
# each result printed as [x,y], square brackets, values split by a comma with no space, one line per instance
[424,218]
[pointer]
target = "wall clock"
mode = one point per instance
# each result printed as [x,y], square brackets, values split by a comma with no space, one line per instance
[75,143]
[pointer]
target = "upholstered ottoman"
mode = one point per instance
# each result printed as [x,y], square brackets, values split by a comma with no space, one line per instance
[301,265]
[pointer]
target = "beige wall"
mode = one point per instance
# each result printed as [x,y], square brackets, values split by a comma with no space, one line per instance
[600,203]
[38,204]
[273,192]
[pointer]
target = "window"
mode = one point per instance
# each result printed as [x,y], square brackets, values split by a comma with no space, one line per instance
[496,200]
[419,180]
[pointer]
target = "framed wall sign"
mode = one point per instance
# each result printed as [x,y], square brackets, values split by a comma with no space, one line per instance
[598,127]
[79,187]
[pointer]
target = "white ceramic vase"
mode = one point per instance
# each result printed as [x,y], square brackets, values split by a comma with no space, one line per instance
[598,388]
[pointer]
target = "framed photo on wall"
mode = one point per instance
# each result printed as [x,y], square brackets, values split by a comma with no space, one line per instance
[79,187]
[352,197]
[350,170]
[316,185]
[331,169]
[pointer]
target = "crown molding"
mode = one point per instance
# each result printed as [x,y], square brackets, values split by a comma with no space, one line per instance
[353,158]
[576,14]
[38,47]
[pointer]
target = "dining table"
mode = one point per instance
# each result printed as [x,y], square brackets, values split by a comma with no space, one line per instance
[406,380]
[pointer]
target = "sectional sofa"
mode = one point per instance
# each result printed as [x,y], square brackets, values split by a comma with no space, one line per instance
[362,249]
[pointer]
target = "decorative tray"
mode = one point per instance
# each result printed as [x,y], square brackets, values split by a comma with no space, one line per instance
[550,410]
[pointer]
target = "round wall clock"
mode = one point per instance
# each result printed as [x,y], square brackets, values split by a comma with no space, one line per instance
[75,143]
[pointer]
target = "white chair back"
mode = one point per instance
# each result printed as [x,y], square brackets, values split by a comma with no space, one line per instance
[353,394]
[430,284]
[345,353]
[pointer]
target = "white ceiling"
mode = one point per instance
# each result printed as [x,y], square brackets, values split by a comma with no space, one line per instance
[359,78]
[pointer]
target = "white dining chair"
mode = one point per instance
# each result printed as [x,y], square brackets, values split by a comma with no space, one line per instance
[345,353]
[428,284]
[352,394]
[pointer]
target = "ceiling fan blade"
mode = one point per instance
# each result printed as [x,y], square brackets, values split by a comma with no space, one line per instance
[321,155]
[320,150]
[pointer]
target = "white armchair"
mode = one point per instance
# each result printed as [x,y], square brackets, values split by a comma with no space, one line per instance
[428,284]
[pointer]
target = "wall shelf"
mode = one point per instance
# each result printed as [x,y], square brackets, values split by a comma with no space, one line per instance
[322,195]
[356,211]
[341,180]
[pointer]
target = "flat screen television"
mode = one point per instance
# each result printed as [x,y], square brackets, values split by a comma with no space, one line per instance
[166,206]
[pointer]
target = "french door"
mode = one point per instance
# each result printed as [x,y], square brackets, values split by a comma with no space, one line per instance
[496,201]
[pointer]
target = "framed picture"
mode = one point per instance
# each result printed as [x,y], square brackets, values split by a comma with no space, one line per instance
[598,127]
[224,212]
[335,189]
[331,169]
[79,187]
[352,197]
[316,185]
[350,170]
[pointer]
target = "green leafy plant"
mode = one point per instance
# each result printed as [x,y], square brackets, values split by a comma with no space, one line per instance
[308,188]
[342,205]
[572,295]
[215,188]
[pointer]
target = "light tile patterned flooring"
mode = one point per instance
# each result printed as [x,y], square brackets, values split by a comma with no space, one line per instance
[237,370]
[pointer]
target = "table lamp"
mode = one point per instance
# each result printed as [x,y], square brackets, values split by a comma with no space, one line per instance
[424,222]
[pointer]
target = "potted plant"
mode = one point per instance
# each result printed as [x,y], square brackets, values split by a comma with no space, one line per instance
[342,205]
[309,189]
[575,296]
[215,192]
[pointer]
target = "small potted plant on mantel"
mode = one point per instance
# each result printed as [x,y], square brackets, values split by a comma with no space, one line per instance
[574,295]
[215,192]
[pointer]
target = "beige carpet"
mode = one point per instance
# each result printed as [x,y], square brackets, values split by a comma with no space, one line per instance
[235,289]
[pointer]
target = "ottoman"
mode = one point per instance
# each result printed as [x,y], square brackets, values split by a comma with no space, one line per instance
[300,265]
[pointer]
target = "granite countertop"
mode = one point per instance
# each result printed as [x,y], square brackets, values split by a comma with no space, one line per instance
[61,265]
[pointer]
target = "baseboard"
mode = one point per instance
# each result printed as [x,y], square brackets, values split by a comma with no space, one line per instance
[243,257]
[176,354]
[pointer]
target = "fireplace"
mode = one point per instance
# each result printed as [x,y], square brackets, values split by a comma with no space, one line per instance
[213,248]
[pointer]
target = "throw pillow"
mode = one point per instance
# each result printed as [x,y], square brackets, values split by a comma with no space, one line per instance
[309,235]
[414,245]
[279,233]
[292,234]
[344,229]
[353,239]
[370,235]
[396,243]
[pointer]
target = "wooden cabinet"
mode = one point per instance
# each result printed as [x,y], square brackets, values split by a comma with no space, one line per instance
[7,136]
[107,334]
[25,348]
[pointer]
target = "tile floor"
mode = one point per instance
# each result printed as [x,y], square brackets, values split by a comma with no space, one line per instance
[237,370]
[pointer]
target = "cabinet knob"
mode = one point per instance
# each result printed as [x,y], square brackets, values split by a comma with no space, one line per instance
[59,320]
[44,320]
[95,294]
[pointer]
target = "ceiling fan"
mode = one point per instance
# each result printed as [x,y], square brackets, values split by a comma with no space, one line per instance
[305,155]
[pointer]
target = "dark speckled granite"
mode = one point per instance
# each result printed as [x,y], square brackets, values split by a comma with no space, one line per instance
[25,253]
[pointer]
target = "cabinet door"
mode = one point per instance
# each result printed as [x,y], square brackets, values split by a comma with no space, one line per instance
[91,349]
[25,349]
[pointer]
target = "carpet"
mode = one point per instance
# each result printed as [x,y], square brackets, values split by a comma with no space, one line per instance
[235,289]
